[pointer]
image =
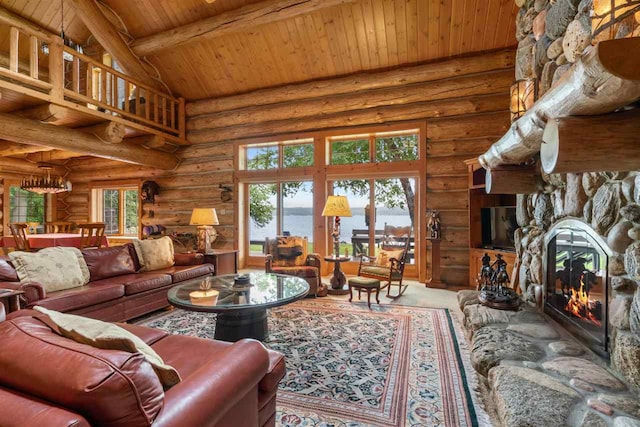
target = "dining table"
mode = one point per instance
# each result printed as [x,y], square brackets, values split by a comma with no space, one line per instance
[47,240]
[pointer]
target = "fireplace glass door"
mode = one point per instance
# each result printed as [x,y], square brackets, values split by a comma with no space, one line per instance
[577,285]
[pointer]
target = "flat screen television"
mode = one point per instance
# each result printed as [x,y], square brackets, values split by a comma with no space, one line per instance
[498,227]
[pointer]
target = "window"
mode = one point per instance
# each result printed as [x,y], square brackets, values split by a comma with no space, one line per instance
[286,154]
[25,206]
[275,209]
[117,208]
[393,148]
[349,151]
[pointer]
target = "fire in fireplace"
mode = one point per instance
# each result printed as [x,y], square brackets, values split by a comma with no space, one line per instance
[577,282]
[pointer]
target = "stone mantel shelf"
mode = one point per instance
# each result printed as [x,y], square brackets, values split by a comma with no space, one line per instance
[604,79]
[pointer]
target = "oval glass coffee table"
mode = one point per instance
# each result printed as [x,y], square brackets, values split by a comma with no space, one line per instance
[241,309]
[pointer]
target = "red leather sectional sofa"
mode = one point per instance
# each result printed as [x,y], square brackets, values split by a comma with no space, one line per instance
[49,380]
[116,292]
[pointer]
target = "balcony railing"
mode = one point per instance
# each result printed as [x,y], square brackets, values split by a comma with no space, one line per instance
[76,80]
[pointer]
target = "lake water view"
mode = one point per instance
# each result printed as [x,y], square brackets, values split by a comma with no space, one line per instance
[299,222]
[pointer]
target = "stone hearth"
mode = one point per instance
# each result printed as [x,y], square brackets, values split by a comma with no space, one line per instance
[539,375]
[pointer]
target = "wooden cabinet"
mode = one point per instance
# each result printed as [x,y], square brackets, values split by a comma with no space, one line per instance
[224,261]
[478,199]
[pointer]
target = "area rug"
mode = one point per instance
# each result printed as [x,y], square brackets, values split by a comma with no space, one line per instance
[350,366]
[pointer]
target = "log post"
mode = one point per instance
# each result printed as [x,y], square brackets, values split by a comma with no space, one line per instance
[109,132]
[609,142]
[25,131]
[511,180]
[606,77]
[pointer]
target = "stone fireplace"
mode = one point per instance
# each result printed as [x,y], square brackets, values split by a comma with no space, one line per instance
[577,285]
[579,259]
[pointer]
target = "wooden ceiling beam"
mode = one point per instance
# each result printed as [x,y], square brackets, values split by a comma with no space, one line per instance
[45,113]
[7,164]
[55,155]
[13,149]
[25,131]
[241,19]
[109,132]
[110,39]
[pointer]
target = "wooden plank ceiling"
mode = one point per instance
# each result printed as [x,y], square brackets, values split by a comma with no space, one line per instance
[364,35]
[358,36]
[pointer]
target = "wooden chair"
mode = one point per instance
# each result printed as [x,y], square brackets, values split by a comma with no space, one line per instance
[55,227]
[388,265]
[19,231]
[288,255]
[91,235]
[33,227]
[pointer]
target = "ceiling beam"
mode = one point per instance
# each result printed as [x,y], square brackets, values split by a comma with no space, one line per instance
[111,40]
[8,164]
[26,131]
[55,155]
[233,21]
[46,113]
[12,149]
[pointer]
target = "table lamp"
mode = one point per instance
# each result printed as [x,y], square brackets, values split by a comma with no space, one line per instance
[204,218]
[336,207]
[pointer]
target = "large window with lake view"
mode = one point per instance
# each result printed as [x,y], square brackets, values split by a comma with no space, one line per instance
[286,185]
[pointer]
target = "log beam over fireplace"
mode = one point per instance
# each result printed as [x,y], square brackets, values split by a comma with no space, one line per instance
[609,142]
[606,77]
[512,180]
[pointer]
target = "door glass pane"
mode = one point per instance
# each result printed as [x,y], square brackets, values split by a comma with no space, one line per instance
[262,213]
[110,212]
[297,210]
[395,148]
[354,230]
[395,206]
[264,157]
[131,212]
[348,152]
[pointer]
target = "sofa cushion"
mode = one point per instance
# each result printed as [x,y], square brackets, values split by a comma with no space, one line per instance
[73,299]
[154,254]
[201,352]
[146,282]
[107,387]
[7,272]
[182,273]
[109,262]
[56,268]
[19,410]
[107,336]
[300,271]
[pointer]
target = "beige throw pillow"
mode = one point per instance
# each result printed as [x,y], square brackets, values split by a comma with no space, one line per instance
[383,258]
[154,254]
[55,268]
[108,336]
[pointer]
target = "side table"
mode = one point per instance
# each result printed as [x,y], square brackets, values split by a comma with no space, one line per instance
[11,299]
[338,279]
[225,261]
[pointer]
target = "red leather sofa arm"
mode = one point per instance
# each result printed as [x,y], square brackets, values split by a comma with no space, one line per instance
[32,291]
[2,313]
[207,395]
[192,258]
[19,409]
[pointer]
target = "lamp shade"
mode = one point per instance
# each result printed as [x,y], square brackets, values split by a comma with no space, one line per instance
[336,206]
[204,216]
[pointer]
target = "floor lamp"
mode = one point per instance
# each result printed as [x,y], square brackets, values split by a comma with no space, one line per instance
[204,219]
[336,207]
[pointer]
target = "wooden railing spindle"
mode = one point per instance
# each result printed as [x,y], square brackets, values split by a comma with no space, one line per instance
[75,75]
[34,47]
[147,104]
[14,40]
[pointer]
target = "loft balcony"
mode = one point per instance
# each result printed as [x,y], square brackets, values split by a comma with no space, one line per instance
[38,69]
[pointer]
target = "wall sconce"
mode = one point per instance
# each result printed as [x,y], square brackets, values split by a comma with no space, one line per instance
[523,94]
[608,15]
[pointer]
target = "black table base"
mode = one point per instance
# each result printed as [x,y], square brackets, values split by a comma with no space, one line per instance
[235,325]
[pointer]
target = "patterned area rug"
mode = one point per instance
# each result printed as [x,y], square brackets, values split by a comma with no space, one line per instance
[350,366]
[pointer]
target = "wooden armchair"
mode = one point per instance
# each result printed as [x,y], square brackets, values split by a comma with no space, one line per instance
[19,231]
[91,235]
[388,265]
[288,255]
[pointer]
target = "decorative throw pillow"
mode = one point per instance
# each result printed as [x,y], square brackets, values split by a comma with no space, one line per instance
[55,268]
[154,254]
[384,256]
[108,336]
[292,251]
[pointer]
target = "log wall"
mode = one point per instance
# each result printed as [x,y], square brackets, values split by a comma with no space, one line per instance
[464,114]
